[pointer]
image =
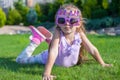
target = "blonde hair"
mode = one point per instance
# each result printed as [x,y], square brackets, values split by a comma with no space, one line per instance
[81,28]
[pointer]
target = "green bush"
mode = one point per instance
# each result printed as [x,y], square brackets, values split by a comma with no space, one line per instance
[48,10]
[38,11]
[106,22]
[23,10]
[95,24]
[14,17]
[32,17]
[116,21]
[99,13]
[2,18]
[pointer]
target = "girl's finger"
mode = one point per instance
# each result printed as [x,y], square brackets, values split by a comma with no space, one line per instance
[52,77]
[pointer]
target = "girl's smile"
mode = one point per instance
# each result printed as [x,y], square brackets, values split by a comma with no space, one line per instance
[68,29]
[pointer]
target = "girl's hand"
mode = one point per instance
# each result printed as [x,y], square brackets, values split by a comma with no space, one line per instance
[48,77]
[107,65]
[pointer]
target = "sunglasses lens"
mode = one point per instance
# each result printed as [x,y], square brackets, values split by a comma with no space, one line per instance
[61,20]
[72,20]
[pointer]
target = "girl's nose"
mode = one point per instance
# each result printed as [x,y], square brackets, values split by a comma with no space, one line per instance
[67,23]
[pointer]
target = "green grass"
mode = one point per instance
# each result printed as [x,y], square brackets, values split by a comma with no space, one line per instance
[12,45]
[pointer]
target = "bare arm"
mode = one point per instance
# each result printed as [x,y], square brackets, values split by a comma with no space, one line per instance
[93,50]
[53,52]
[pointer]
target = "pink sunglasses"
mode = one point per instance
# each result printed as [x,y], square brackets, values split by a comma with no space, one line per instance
[62,20]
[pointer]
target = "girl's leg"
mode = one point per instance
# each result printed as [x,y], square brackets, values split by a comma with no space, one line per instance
[37,38]
[26,53]
[24,58]
[41,58]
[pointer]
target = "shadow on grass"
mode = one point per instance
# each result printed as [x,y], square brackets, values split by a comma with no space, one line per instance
[10,65]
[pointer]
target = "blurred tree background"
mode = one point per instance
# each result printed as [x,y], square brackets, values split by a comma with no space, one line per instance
[97,13]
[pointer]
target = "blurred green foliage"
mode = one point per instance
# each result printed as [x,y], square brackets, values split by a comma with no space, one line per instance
[31,17]
[98,12]
[2,18]
[14,17]
[23,10]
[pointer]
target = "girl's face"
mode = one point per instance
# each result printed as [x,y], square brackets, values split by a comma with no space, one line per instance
[68,20]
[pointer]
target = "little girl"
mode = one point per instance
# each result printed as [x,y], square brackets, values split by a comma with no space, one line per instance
[65,45]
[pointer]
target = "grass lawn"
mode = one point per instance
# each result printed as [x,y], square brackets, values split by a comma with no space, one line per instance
[12,45]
